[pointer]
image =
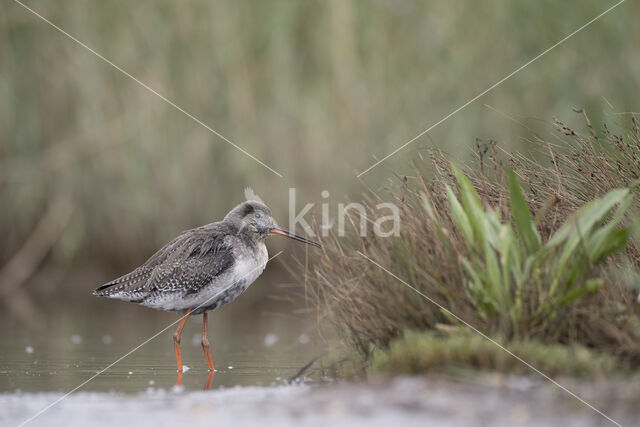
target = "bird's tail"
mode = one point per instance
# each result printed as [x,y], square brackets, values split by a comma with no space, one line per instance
[129,287]
[103,290]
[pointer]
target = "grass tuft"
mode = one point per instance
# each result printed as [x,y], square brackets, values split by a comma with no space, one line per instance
[545,254]
[417,352]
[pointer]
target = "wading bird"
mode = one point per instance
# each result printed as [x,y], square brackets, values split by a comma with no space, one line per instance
[202,269]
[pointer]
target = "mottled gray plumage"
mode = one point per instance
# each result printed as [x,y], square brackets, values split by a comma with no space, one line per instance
[202,268]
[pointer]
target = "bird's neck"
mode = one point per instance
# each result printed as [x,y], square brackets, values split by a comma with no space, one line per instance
[250,237]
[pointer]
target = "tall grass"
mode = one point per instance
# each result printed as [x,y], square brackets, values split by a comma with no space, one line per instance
[292,82]
[511,275]
[532,261]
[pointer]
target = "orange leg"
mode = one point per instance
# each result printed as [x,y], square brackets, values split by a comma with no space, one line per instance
[207,384]
[176,339]
[205,342]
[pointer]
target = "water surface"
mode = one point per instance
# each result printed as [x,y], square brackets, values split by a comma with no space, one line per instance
[256,340]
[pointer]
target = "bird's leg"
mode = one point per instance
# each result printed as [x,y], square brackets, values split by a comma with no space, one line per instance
[207,384]
[176,339]
[205,341]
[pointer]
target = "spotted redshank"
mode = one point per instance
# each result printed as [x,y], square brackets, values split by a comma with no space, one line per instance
[203,269]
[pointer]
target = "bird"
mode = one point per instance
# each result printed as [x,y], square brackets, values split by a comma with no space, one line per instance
[203,268]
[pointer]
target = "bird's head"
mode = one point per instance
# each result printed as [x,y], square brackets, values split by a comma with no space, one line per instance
[256,218]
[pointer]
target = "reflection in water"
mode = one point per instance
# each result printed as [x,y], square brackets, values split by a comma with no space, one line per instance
[207,384]
[255,341]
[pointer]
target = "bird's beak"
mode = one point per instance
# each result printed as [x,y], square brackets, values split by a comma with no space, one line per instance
[286,233]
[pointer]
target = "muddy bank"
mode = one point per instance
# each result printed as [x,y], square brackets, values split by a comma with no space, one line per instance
[401,401]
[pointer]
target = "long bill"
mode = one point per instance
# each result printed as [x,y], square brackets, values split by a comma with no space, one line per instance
[287,233]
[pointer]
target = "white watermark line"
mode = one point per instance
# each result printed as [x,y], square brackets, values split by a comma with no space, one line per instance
[490,88]
[61,398]
[164,98]
[441,307]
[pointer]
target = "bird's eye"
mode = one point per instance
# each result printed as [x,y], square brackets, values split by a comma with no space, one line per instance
[258,215]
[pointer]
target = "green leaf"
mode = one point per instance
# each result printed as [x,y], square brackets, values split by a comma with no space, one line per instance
[592,285]
[606,241]
[587,216]
[522,216]
[472,274]
[580,227]
[472,205]
[460,217]
[496,284]
[507,251]
[428,208]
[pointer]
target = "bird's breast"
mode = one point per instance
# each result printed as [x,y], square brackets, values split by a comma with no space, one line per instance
[250,264]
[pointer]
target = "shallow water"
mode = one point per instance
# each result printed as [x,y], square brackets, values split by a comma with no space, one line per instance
[139,373]
[258,342]
[255,340]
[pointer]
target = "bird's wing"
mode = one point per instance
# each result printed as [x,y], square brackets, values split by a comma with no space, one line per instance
[192,273]
[189,261]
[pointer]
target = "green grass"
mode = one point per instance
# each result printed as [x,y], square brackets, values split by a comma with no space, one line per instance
[510,274]
[542,251]
[426,352]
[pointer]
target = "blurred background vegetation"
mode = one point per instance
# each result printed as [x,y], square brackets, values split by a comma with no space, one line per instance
[96,172]
[106,172]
